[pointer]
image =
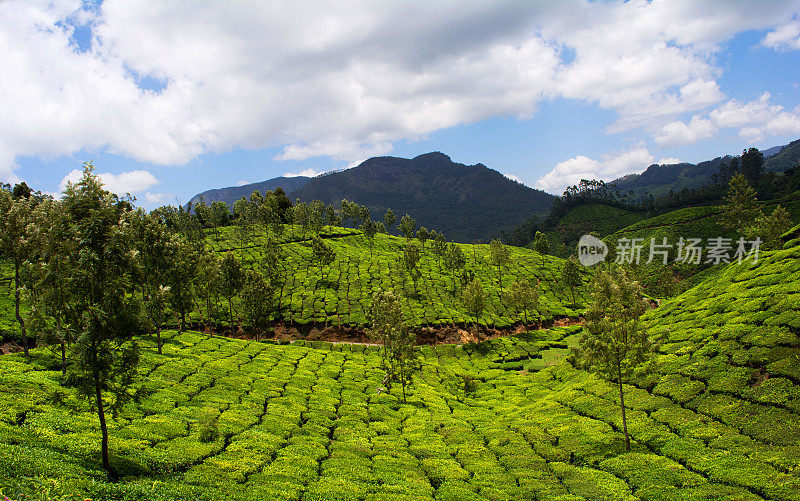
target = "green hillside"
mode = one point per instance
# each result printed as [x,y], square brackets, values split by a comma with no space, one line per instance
[595,218]
[716,417]
[343,296]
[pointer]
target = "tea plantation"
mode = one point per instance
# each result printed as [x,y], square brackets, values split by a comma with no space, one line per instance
[341,294]
[716,416]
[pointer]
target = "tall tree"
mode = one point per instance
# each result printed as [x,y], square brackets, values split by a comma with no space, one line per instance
[541,245]
[423,235]
[258,296]
[231,281]
[439,246]
[101,311]
[500,257]
[752,167]
[740,209]
[15,214]
[407,226]
[571,275]
[370,229]
[409,263]
[454,260]
[614,344]
[388,220]
[474,299]
[399,347]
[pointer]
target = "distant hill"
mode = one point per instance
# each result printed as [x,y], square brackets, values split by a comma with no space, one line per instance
[465,202]
[233,193]
[659,179]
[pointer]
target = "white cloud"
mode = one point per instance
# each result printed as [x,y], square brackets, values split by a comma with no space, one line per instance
[344,79]
[669,161]
[680,133]
[242,182]
[611,166]
[513,178]
[135,181]
[310,172]
[785,37]
[755,120]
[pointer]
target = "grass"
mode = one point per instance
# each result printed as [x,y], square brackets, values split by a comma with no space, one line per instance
[716,416]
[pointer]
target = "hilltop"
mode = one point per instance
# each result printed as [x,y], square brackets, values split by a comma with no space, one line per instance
[231,194]
[465,202]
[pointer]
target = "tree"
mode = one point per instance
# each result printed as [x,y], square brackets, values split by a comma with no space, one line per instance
[423,235]
[752,165]
[439,246]
[771,227]
[614,343]
[474,299]
[409,263]
[399,350]
[15,214]
[50,273]
[258,296]
[180,275]
[541,245]
[270,261]
[500,257]
[207,282]
[407,226]
[454,260]
[220,215]
[570,273]
[322,255]
[370,230]
[231,281]
[21,190]
[740,209]
[521,297]
[389,219]
[100,310]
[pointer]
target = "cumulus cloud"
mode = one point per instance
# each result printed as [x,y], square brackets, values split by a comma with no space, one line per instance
[755,120]
[785,37]
[135,181]
[669,161]
[610,166]
[679,133]
[310,172]
[343,79]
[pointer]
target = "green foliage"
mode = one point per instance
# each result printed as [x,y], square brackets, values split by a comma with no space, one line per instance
[407,226]
[770,227]
[571,276]
[399,350]
[741,208]
[522,297]
[474,299]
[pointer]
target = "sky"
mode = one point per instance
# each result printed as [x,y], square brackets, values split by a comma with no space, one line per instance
[170,98]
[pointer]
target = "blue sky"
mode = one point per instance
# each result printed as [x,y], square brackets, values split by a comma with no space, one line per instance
[171,98]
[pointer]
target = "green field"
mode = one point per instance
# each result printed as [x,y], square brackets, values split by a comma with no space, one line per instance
[716,417]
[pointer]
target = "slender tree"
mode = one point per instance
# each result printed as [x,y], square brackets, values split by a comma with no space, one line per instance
[399,349]
[454,260]
[423,235]
[541,245]
[370,229]
[771,227]
[500,257]
[409,263]
[15,214]
[614,343]
[103,314]
[571,275]
[322,255]
[231,281]
[388,220]
[474,299]
[258,296]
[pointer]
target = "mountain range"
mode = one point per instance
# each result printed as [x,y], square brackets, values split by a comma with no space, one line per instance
[465,202]
[660,179]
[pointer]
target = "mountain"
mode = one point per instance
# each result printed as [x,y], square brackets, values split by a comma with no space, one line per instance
[660,179]
[465,202]
[231,194]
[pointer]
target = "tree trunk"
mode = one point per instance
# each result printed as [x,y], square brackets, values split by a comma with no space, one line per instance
[573,295]
[103,429]
[158,337]
[183,319]
[624,418]
[500,276]
[63,359]
[16,307]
